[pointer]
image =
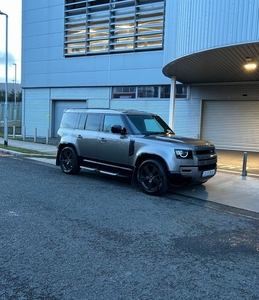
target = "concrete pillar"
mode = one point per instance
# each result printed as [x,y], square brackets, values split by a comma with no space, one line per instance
[172,102]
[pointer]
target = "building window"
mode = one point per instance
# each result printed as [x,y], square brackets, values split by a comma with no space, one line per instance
[148,91]
[126,92]
[107,26]
[165,91]
[181,91]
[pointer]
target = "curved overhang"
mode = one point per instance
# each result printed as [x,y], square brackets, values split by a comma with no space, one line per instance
[221,65]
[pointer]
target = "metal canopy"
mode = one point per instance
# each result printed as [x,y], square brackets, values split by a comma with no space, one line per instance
[216,66]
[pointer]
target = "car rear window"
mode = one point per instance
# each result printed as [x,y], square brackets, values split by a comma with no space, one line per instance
[69,120]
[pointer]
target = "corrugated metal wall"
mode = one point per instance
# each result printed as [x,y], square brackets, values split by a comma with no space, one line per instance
[231,124]
[187,118]
[38,107]
[205,24]
[36,111]
[230,115]
[96,96]
[43,64]
[159,106]
[225,92]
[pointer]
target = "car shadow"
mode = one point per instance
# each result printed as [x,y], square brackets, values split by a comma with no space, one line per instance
[195,191]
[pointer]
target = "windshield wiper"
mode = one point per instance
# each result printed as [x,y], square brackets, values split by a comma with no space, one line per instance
[155,132]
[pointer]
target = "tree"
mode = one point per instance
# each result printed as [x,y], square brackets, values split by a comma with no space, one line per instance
[11,96]
[2,95]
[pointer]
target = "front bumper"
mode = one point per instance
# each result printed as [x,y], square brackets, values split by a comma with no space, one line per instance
[191,175]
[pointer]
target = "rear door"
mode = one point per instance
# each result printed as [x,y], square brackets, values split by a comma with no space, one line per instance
[86,135]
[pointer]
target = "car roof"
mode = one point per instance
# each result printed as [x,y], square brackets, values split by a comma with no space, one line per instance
[106,111]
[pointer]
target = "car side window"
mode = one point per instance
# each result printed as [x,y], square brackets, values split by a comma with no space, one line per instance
[110,121]
[93,122]
[81,124]
[69,120]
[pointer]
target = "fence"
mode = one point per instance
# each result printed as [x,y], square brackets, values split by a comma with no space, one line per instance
[14,116]
[14,111]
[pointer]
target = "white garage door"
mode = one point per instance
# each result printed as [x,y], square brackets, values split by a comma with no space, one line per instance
[232,125]
[60,106]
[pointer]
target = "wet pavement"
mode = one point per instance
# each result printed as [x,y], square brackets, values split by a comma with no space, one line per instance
[234,161]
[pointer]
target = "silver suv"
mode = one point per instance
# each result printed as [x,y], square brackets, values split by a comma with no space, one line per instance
[135,145]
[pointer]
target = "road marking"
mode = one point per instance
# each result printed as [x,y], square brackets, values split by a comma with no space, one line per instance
[13,214]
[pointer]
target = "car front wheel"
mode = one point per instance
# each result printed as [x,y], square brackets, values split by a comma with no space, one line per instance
[152,177]
[68,161]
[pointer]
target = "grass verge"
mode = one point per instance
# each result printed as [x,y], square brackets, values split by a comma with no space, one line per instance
[22,150]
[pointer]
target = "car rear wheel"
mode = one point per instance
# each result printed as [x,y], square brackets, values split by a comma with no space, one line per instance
[68,161]
[152,177]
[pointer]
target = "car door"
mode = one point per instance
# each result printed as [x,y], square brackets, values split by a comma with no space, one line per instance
[113,147]
[86,135]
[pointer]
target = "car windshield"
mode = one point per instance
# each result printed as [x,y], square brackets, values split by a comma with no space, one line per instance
[149,124]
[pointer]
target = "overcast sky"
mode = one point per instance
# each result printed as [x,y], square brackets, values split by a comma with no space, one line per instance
[13,8]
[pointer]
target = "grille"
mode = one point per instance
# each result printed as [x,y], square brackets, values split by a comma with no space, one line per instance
[207,159]
[203,150]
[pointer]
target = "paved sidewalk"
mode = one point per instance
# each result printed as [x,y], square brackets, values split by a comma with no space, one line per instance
[233,161]
[228,187]
[41,147]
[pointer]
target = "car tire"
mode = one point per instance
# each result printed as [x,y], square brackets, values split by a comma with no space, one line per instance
[151,176]
[69,161]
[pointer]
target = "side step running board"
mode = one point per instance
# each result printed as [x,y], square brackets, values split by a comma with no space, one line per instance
[104,172]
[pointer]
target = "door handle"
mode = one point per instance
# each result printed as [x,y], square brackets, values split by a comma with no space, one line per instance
[102,140]
[79,136]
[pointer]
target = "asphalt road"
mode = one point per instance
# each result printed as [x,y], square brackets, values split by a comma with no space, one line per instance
[90,237]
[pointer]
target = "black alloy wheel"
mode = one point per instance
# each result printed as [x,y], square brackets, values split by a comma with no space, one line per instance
[69,161]
[152,177]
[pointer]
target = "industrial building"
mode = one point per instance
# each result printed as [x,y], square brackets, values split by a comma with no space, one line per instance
[194,62]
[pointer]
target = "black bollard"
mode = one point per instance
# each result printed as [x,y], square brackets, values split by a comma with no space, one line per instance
[244,172]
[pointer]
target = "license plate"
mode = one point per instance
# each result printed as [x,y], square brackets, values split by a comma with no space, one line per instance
[208,173]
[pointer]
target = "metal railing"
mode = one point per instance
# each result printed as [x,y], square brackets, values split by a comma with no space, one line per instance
[14,112]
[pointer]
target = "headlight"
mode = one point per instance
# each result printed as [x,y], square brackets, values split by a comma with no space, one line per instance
[183,153]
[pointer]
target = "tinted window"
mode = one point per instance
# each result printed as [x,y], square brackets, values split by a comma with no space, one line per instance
[93,122]
[110,121]
[147,124]
[81,124]
[153,126]
[69,120]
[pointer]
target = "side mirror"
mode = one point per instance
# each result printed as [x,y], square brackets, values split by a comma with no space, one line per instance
[118,129]
[123,130]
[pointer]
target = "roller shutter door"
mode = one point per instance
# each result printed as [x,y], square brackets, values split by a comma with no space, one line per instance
[231,125]
[60,106]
